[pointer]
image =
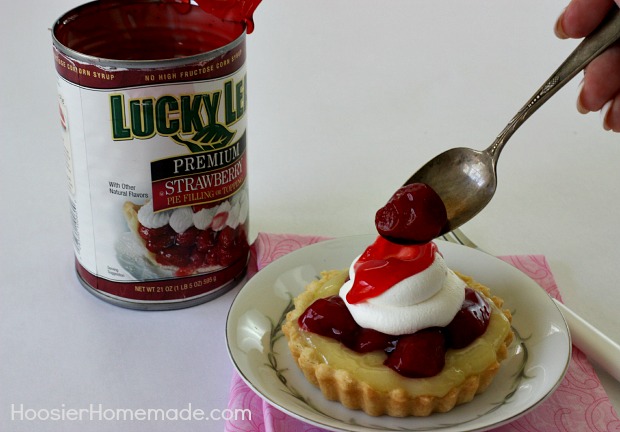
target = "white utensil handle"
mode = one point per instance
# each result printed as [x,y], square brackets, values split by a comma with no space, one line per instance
[597,346]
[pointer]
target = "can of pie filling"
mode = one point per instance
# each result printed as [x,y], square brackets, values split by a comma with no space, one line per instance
[152,100]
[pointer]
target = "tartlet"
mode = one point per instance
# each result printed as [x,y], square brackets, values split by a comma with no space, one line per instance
[363,382]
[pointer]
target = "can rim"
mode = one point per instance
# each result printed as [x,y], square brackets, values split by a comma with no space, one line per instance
[137,64]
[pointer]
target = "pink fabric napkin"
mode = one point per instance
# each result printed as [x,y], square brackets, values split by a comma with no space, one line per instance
[579,403]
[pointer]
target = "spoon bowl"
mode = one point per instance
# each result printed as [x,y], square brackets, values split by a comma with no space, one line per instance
[466,179]
[463,178]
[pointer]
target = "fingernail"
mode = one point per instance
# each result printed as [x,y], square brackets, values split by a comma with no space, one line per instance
[604,111]
[580,107]
[559,29]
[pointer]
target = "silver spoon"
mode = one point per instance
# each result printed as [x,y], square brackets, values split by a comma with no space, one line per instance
[466,179]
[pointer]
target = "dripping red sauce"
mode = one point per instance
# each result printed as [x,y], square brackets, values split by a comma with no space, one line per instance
[383,264]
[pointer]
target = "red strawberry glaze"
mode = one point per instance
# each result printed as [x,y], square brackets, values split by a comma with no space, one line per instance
[371,277]
[417,355]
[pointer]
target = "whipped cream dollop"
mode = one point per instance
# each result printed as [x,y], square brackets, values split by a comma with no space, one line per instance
[148,218]
[181,219]
[428,298]
[232,212]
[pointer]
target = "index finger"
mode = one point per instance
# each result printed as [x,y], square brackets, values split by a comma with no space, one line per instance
[581,17]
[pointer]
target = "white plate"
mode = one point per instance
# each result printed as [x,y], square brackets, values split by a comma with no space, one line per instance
[541,351]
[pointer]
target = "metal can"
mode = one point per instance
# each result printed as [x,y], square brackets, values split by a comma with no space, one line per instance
[152,99]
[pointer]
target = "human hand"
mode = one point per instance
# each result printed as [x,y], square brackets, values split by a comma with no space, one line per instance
[600,88]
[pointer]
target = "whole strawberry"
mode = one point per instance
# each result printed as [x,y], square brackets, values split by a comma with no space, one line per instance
[419,355]
[414,214]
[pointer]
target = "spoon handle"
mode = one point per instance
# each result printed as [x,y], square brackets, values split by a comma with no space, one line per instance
[593,45]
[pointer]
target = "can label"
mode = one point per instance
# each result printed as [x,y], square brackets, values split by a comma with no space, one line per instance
[157,168]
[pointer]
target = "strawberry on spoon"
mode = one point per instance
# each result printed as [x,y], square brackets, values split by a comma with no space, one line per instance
[414,214]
